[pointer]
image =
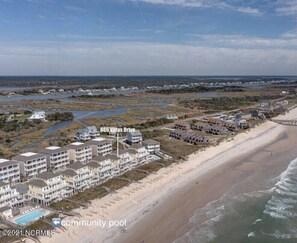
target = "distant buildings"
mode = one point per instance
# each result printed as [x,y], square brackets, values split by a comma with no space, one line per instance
[82,135]
[37,115]
[134,137]
[86,134]
[171,117]
[182,126]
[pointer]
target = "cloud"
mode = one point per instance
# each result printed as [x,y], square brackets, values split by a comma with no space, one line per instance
[204,4]
[243,41]
[142,58]
[41,16]
[75,9]
[287,7]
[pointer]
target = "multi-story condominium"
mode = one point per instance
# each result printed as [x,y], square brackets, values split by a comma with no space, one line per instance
[57,158]
[125,160]
[142,153]
[115,161]
[82,135]
[9,171]
[105,169]
[133,155]
[100,146]
[78,177]
[134,137]
[8,196]
[47,188]
[31,164]
[79,152]
[151,145]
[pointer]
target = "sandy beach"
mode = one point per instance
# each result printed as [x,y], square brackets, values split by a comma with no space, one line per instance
[158,208]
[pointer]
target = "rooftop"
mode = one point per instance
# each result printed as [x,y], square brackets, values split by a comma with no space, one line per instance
[68,172]
[76,166]
[150,141]
[37,183]
[46,175]
[100,158]
[28,156]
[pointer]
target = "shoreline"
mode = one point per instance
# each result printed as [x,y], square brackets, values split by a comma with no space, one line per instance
[136,201]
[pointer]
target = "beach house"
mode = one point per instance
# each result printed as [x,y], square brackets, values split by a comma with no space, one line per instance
[79,152]
[9,171]
[178,134]
[115,161]
[141,155]
[201,126]
[82,135]
[125,160]
[46,188]
[8,195]
[152,146]
[37,115]
[101,167]
[77,176]
[93,132]
[218,130]
[57,158]
[134,137]
[100,146]
[182,126]
[31,164]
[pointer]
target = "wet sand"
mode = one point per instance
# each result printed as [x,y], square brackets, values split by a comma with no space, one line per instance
[170,219]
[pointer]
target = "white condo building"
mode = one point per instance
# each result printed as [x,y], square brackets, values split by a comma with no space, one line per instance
[78,177]
[31,164]
[100,146]
[47,188]
[142,153]
[104,170]
[57,158]
[9,171]
[125,160]
[151,145]
[79,152]
[8,196]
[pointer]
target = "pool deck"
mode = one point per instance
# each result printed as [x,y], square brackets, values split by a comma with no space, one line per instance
[27,210]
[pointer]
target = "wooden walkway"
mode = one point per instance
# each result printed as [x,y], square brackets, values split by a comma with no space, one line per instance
[286,122]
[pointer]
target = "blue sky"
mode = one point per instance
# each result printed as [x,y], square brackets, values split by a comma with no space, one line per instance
[148,37]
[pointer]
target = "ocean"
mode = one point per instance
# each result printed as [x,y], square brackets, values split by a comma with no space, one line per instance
[267,214]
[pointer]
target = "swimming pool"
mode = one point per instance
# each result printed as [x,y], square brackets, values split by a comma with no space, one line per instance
[23,220]
[154,157]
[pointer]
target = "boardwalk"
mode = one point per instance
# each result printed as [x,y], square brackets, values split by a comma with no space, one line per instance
[286,122]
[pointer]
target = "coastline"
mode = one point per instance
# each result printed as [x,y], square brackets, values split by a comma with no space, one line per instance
[141,203]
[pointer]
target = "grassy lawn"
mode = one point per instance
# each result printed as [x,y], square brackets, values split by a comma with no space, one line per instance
[177,148]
